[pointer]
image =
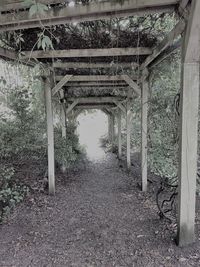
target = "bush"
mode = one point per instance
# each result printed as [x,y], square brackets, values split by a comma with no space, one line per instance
[11,193]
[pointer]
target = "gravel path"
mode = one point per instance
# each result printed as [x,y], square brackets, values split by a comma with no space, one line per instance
[98,217]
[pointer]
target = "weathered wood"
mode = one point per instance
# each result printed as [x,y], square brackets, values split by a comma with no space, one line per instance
[80,13]
[99,85]
[95,100]
[61,83]
[93,78]
[132,84]
[74,53]
[188,153]
[85,65]
[112,129]
[119,119]
[7,5]
[189,128]
[167,41]
[70,108]
[144,109]
[50,136]
[191,49]
[128,134]
[120,106]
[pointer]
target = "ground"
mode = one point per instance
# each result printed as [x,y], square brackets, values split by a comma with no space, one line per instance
[99,217]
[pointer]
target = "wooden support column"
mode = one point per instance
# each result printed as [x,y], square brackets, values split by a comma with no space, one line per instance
[189,128]
[112,129]
[50,136]
[119,134]
[128,134]
[144,109]
[188,152]
[63,121]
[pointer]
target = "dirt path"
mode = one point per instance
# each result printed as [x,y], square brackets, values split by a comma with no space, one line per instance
[97,218]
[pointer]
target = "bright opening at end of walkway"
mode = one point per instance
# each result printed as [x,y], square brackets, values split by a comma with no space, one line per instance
[91,127]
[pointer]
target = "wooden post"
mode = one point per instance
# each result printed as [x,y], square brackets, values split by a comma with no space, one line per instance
[189,128]
[119,134]
[112,131]
[144,109]
[50,136]
[188,152]
[63,121]
[128,134]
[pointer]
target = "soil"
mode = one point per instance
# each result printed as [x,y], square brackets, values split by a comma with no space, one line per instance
[98,217]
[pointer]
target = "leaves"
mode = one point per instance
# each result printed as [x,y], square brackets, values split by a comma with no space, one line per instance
[44,42]
[37,9]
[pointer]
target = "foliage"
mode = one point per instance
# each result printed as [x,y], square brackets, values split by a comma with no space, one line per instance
[67,150]
[11,193]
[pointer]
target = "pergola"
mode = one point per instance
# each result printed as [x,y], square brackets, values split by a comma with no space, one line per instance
[15,16]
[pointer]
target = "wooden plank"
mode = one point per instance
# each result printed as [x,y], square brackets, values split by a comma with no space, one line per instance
[189,129]
[50,137]
[128,135]
[192,38]
[120,106]
[7,5]
[188,153]
[81,13]
[95,100]
[119,120]
[100,106]
[84,65]
[69,109]
[97,85]
[132,84]
[167,41]
[61,83]
[80,53]
[144,109]
[94,78]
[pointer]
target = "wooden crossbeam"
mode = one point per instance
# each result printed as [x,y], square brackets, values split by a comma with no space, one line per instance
[95,100]
[119,105]
[70,108]
[96,85]
[192,38]
[94,78]
[7,5]
[74,53]
[85,65]
[101,106]
[80,13]
[132,84]
[61,83]
[167,41]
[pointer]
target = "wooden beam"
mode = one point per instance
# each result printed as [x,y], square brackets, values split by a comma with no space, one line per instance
[120,106]
[61,83]
[74,53]
[144,109]
[94,78]
[50,137]
[128,135]
[7,5]
[69,109]
[95,100]
[167,41]
[168,52]
[80,13]
[119,120]
[132,84]
[101,106]
[97,85]
[189,128]
[192,38]
[85,65]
